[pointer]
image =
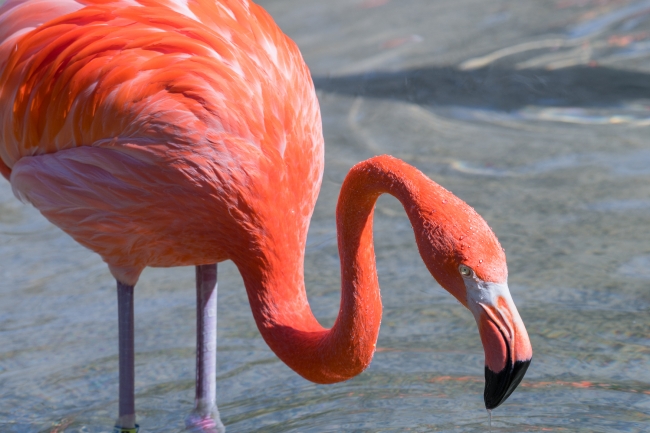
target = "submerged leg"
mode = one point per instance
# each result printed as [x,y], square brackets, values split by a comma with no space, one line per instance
[126,421]
[205,416]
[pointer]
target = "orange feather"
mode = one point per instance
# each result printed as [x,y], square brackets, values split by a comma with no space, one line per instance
[168,133]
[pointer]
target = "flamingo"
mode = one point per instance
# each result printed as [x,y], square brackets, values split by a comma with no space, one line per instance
[187,132]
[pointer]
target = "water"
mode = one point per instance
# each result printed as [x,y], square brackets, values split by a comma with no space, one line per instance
[535,113]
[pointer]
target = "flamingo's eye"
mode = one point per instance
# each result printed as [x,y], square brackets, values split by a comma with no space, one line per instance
[465,271]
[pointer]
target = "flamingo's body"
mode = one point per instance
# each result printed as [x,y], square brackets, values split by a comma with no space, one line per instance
[146,107]
[187,132]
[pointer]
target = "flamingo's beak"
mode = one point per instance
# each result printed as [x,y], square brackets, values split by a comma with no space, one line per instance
[507,348]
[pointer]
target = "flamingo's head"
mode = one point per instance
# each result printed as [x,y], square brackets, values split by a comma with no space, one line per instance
[507,347]
[465,257]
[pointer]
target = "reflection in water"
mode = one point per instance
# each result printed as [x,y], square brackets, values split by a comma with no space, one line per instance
[635,163]
[620,205]
[499,87]
[535,113]
[628,114]
[638,267]
[600,22]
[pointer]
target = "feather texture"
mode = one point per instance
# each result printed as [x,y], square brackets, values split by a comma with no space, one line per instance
[95,94]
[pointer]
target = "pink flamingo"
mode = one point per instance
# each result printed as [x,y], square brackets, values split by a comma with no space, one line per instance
[187,132]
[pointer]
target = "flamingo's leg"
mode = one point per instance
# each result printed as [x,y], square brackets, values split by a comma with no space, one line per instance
[205,416]
[126,421]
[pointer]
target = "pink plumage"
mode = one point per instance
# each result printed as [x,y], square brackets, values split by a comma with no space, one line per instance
[138,111]
[187,132]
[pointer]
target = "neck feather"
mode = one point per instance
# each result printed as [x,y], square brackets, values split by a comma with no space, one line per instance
[275,282]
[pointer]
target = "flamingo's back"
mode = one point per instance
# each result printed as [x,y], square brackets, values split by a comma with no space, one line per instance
[129,124]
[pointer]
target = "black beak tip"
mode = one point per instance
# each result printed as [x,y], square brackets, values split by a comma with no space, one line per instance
[499,386]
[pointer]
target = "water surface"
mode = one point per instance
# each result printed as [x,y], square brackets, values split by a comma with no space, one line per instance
[535,113]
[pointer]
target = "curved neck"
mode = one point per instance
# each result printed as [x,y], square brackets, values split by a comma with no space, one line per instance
[275,282]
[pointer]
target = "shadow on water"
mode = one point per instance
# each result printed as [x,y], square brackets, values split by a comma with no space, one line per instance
[496,87]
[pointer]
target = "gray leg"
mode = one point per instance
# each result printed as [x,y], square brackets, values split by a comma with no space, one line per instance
[126,420]
[205,416]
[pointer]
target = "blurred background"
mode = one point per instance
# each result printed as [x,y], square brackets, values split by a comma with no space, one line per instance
[536,113]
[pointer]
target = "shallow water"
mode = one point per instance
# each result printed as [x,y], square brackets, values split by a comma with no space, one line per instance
[535,113]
